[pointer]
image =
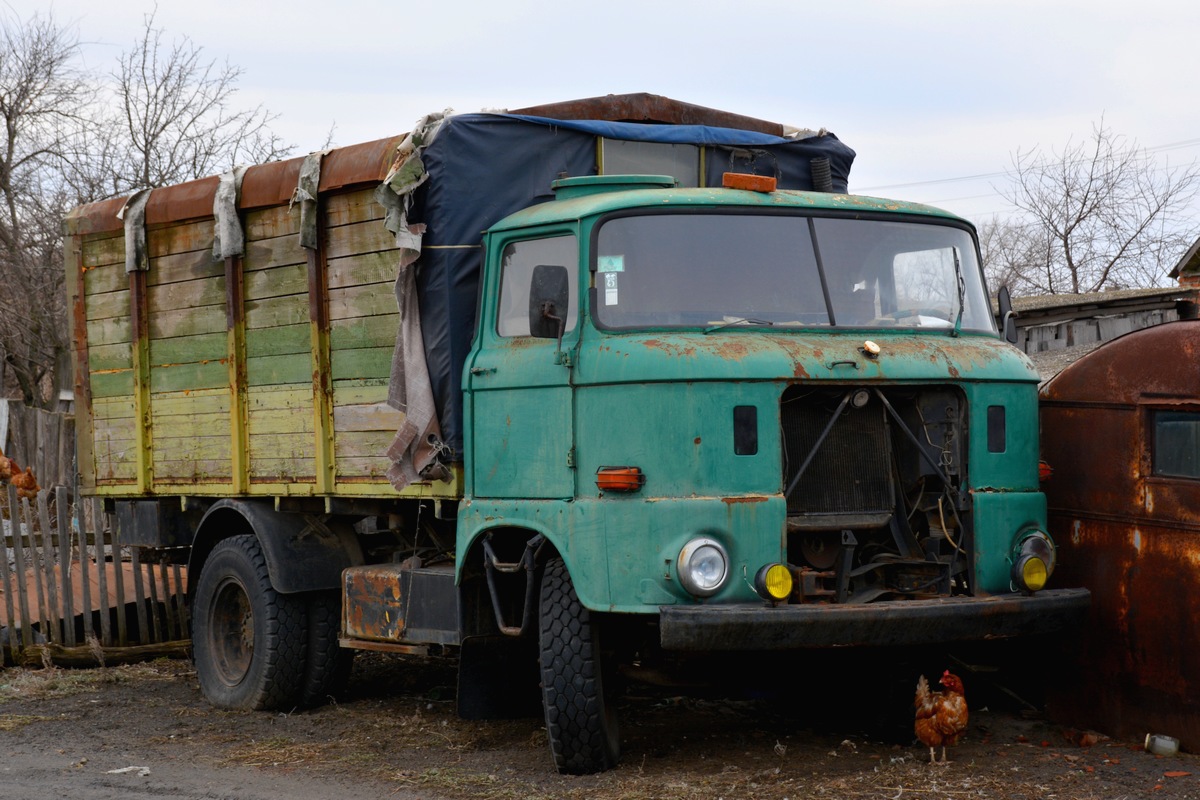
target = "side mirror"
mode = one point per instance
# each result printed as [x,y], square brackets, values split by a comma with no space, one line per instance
[549,297]
[1008,324]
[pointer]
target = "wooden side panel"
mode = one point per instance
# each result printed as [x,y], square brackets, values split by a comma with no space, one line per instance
[364,321]
[113,440]
[189,377]
[279,421]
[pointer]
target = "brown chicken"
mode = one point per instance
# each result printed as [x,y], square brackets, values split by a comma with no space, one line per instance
[27,485]
[8,468]
[941,716]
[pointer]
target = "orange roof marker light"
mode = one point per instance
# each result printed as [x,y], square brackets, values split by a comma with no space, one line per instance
[620,479]
[751,183]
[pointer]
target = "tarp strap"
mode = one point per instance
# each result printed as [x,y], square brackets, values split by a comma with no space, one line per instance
[307,188]
[228,238]
[133,214]
[416,449]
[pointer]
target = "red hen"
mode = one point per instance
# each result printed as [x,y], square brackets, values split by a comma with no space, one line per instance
[941,716]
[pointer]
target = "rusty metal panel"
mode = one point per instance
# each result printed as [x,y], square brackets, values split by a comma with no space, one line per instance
[1131,537]
[400,603]
[643,107]
[191,200]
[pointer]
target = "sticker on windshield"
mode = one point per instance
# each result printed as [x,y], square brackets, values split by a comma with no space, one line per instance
[610,263]
[610,289]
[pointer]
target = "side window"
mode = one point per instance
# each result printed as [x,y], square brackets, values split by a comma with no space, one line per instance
[516,272]
[1176,444]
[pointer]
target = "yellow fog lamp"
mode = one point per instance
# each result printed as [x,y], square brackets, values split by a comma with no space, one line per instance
[1034,562]
[773,582]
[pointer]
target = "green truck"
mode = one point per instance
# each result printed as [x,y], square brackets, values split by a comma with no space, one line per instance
[554,391]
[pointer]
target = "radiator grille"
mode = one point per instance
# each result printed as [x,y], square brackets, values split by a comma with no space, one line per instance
[851,472]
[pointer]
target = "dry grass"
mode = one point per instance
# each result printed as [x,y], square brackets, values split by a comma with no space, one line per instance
[10,722]
[20,683]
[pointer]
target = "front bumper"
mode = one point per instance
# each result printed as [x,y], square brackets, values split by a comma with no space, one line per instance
[887,624]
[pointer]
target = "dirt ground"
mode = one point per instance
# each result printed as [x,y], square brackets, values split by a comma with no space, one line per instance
[144,731]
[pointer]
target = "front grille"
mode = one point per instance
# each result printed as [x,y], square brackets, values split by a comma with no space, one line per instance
[851,473]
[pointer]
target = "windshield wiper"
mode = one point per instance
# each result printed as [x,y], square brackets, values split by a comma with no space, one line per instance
[962,292]
[739,321]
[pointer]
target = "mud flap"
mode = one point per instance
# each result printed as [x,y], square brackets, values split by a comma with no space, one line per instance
[498,678]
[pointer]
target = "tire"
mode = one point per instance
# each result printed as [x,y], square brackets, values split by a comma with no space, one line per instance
[327,665]
[249,641]
[581,719]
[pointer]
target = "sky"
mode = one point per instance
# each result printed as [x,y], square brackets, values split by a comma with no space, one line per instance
[935,96]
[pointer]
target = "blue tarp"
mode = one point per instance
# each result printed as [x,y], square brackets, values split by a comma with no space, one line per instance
[483,167]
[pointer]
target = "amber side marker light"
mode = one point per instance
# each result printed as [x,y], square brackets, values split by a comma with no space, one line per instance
[620,479]
[773,582]
[751,183]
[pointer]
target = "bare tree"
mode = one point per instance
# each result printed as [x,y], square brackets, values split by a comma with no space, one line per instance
[1100,214]
[177,114]
[42,108]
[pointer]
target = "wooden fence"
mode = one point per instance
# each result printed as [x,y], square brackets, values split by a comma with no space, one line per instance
[43,440]
[73,595]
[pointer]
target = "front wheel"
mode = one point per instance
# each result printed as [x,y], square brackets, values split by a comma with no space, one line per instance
[581,719]
[249,641]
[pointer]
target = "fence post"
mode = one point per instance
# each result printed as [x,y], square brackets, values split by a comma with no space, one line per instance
[14,510]
[64,568]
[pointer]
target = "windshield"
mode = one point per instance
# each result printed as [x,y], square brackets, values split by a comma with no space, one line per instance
[715,270]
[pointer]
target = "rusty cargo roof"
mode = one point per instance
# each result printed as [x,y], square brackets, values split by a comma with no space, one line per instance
[363,164]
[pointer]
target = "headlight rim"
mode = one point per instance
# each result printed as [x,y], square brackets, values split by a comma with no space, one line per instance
[683,566]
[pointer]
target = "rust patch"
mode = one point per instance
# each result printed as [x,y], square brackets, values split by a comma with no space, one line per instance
[1130,536]
[730,501]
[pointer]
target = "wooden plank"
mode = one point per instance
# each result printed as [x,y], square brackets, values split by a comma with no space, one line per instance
[139,597]
[364,467]
[109,331]
[85,571]
[361,301]
[113,383]
[64,564]
[274,312]
[267,253]
[284,340]
[187,322]
[101,572]
[351,207]
[85,656]
[182,377]
[169,238]
[360,332]
[369,362]
[366,268]
[359,394]
[272,421]
[293,447]
[189,349]
[279,370]
[290,279]
[42,617]
[286,471]
[184,267]
[155,633]
[269,223]
[169,630]
[356,444]
[6,583]
[118,581]
[290,398]
[108,305]
[54,606]
[110,356]
[359,237]
[366,417]
[187,295]
[140,312]
[178,598]
[104,249]
[199,448]
[105,278]
[191,403]
[23,616]
[213,472]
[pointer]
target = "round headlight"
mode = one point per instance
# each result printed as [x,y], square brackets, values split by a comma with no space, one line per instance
[703,566]
[1031,573]
[773,582]
[1041,545]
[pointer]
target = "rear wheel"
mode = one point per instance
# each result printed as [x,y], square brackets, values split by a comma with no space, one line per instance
[249,640]
[327,667]
[581,717]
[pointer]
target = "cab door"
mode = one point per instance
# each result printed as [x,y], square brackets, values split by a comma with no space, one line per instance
[520,408]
